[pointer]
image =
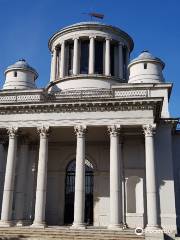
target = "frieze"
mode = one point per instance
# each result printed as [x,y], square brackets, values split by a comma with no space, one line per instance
[83,107]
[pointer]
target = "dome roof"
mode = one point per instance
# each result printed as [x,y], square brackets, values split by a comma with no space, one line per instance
[84,23]
[22,64]
[147,56]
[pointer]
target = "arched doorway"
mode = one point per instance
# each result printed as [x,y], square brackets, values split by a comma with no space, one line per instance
[69,193]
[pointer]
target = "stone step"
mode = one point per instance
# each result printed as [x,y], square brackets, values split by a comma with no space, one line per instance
[29,233]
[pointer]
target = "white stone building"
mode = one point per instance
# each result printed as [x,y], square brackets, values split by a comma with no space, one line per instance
[97,146]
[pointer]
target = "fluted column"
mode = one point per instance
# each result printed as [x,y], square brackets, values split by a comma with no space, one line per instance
[120,50]
[107,57]
[79,198]
[91,55]
[39,217]
[62,62]
[6,212]
[115,179]
[21,179]
[54,65]
[151,191]
[76,56]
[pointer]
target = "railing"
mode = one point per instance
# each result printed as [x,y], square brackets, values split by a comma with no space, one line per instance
[21,98]
[42,96]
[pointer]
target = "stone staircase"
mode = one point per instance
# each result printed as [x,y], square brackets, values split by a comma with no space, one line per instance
[58,233]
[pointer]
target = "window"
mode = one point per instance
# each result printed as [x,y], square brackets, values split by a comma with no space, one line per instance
[99,57]
[145,65]
[15,74]
[84,60]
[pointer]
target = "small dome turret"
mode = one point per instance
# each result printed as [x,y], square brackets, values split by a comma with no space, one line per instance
[20,75]
[146,69]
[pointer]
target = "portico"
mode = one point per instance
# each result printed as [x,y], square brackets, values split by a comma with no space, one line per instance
[83,142]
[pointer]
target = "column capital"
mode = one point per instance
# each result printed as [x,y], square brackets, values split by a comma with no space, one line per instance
[108,38]
[80,130]
[62,42]
[75,37]
[43,131]
[92,36]
[149,130]
[114,130]
[12,131]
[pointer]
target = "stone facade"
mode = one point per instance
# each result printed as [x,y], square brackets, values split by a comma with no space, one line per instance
[97,145]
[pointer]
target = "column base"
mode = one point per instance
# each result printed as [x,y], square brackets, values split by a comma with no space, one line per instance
[38,225]
[78,226]
[20,223]
[125,226]
[154,233]
[117,227]
[6,223]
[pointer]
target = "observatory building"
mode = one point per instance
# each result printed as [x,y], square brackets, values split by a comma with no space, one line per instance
[96,146]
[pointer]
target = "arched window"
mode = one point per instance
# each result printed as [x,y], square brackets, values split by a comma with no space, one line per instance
[70,189]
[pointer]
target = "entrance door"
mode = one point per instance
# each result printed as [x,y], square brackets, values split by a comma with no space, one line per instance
[69,193]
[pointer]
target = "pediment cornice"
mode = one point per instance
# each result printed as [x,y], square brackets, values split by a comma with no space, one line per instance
[154,104]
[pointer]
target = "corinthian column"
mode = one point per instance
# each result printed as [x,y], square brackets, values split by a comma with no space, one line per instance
[6,212]
[115,179]
[62,62]
[91,55]
[21,179]
[39,218]
[76,56]
[79,198]
[107,57]
[151,191]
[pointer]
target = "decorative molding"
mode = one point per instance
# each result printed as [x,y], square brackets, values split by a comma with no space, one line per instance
[80,130]
[130,93]
[43,131]
[12,131]
[114,130]
[149,130]
[90,106]
[21,98]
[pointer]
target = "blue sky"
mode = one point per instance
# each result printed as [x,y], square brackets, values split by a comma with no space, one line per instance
[26,26]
